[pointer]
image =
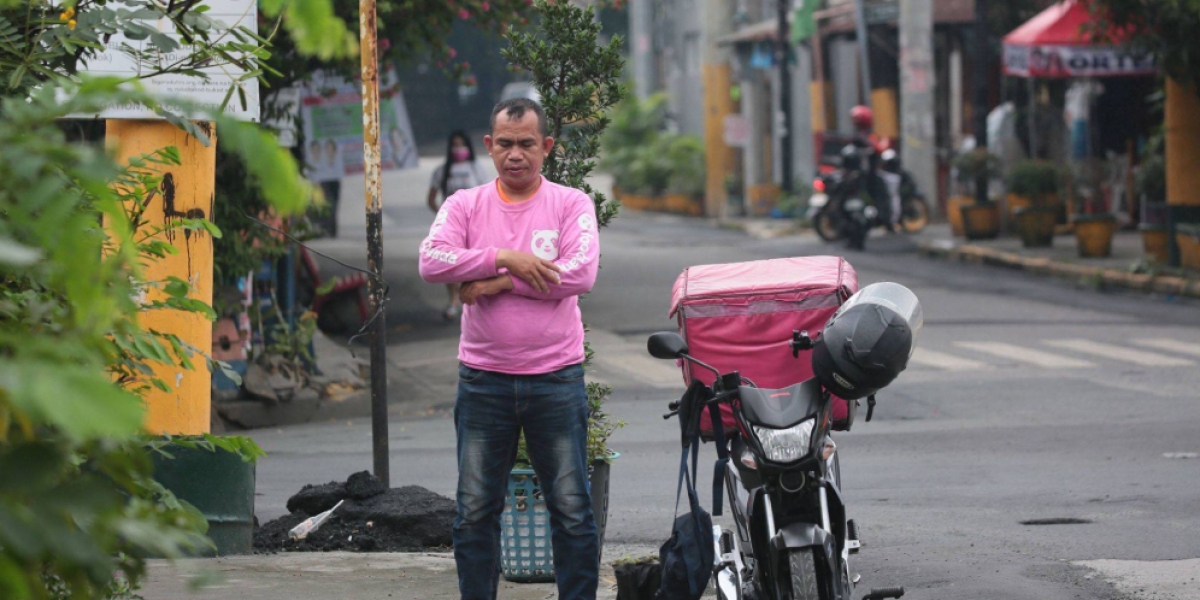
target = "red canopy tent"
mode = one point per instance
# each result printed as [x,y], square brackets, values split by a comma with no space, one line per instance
[1059,43]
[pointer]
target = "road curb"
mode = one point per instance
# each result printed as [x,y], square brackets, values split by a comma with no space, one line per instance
[1098,277]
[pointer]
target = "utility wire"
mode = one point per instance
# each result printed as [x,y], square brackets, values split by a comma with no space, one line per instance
[365,329]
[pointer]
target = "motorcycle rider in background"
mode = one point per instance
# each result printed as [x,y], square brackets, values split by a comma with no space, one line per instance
[882,186]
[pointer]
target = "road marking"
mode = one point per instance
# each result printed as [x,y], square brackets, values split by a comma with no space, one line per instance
[1026,355]
[650,371]
[946,362]
[1170,345]
[1120,353]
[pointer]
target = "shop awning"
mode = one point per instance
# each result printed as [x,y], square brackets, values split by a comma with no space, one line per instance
[1061,42]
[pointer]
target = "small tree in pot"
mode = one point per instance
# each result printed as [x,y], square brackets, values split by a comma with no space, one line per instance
[978,221]
[1150,183]
[1036,183]
[1094,224]
[579,80]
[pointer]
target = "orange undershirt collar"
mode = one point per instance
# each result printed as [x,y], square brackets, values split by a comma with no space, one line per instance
[504,197]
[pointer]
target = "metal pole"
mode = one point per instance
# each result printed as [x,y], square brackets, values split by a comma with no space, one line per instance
[785,97]
[864,49]
[1031,119]
[980,108]
[918,83]
[641,31]
[374,193]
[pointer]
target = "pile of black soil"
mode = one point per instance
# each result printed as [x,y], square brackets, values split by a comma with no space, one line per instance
[372,519]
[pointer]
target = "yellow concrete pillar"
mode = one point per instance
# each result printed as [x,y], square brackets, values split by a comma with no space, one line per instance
[186,191]
[887,113]
[818,91]
[718,156]
[1182,124]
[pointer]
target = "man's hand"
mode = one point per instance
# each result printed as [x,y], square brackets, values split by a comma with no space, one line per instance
[471,291]
[537,272]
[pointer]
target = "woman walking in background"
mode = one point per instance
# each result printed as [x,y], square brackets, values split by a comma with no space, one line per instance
[459,172]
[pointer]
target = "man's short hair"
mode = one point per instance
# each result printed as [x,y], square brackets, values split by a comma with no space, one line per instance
[515,109]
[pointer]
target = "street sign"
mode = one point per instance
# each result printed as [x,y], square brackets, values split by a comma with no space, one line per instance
[207,93]
[736,131]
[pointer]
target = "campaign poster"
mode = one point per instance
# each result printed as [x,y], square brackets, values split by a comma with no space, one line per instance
[331,111]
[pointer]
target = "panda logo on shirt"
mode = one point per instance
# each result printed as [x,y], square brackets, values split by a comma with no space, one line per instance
[545,244]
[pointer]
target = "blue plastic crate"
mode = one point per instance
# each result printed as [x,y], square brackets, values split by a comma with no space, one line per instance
[526,554]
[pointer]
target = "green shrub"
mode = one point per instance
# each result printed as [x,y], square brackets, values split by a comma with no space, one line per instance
[1034,178]
[645,159]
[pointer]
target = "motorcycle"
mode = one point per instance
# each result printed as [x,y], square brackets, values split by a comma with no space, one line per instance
[792,539]
[841,205]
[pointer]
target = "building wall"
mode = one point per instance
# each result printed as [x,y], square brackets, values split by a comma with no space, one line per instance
[683,37]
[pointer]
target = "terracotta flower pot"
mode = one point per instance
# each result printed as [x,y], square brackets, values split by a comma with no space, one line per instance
[1036,226]
[1154,241]
[1094,235]
[1013,203]
[981,221]
[954,214]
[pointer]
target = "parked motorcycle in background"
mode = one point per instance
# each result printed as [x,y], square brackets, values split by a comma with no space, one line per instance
[791,538]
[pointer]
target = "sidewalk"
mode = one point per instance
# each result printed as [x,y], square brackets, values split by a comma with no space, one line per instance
[330,576]
[1118,271]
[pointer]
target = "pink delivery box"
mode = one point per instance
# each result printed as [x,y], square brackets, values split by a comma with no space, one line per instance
[740,317]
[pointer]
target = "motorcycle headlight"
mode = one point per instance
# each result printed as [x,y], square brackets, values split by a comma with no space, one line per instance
[785,445]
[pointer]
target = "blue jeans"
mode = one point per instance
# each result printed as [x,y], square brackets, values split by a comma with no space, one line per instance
[491,411]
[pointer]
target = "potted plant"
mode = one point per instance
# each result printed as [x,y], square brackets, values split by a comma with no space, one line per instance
[638,578]
[1094,225]
[979,221]
[685,173]
[1151,186]
[1032,200]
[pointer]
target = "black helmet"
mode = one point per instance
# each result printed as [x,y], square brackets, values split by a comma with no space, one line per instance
[868,341]
[851,158]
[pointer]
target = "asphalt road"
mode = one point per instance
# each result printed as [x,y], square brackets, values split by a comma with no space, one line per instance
[1028,400]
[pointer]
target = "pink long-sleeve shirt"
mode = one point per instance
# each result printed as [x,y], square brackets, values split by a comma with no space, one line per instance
[522,331]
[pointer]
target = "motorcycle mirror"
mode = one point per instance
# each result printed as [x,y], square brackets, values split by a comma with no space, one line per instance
[666,344]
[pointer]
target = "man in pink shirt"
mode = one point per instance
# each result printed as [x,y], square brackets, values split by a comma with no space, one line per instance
[524,249]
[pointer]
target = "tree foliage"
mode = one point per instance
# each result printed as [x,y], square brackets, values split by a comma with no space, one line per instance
[1165,27]
[579,80]
[78,505]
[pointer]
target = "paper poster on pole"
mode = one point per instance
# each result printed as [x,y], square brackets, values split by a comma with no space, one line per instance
[207,92]
[331,111]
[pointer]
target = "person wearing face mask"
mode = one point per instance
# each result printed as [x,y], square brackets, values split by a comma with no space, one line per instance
[459,172]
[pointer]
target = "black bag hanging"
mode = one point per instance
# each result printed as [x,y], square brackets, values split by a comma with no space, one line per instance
[687,558]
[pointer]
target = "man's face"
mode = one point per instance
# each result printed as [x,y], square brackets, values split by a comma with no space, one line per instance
[518,149]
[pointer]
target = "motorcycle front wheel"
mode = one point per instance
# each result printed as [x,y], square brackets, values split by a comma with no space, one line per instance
[802,583]
[914,214]
[828,225]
